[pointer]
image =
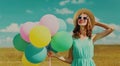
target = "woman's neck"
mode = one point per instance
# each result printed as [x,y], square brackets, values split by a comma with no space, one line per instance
[82,28]
[82,34]
[82,31]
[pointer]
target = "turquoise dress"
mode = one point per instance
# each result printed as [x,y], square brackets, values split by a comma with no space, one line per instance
[83,51]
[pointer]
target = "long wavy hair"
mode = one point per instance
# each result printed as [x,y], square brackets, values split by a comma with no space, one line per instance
[89,25]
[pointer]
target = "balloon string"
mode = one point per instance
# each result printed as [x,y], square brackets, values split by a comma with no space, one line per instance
[49,61]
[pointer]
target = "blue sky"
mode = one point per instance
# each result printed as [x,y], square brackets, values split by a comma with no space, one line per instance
[13,13]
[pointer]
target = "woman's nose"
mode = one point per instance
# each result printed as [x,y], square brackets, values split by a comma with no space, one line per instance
[81,20]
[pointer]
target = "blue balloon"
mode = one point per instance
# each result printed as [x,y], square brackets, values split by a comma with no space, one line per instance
[62,25]
[34,54]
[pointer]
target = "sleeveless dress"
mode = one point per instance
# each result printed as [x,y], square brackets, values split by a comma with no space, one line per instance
[83,51]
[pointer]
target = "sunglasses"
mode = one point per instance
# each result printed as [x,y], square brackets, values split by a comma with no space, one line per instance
[85,18]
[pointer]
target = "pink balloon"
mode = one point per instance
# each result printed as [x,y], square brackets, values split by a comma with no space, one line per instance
[51,22]
[25,30]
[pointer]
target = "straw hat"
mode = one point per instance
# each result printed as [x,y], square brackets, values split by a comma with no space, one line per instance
[85,11]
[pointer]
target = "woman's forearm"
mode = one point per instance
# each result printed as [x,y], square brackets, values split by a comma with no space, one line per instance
[52,54]
[66,60]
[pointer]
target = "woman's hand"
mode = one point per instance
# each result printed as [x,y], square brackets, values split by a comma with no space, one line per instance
[51,54]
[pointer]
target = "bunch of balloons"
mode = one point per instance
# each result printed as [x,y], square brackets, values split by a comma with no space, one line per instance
[35,37]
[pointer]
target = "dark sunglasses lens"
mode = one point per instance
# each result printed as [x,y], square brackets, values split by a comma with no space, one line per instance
[84,18]
[79,17]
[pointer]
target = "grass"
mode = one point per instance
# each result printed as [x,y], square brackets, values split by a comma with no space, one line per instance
[105,55]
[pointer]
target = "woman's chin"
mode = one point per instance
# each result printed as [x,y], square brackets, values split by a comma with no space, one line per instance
[82,24]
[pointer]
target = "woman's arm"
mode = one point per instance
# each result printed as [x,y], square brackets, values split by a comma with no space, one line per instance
[106,32]
[67,60]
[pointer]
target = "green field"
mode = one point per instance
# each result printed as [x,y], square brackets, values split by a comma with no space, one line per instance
[105,55]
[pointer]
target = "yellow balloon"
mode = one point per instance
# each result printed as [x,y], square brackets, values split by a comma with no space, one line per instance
[27,63]
[40,36]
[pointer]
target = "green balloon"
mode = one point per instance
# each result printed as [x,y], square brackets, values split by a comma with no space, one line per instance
[61,41]
[19,43]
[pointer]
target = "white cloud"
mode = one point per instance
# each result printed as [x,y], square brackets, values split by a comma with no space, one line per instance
[69,20]
[62,3]
[77,1]
[112,35]
[108,40]
[116,27]
[8,39]
[11,28]
[97,19]
[112,38]
[64,11]
[29,11]
[6,42]
[97,29]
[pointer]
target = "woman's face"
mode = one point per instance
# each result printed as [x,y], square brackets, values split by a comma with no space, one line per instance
[82,20]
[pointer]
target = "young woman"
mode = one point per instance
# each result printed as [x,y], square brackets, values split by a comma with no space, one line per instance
[82,50]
